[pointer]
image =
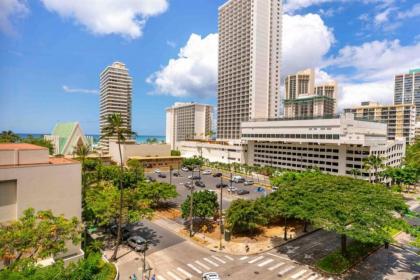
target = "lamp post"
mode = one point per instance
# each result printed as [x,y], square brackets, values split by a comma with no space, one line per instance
[146,247]
[221,212]
[170,174]
[191,203]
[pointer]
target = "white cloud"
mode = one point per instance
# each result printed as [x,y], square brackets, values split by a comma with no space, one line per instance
[122,17]
[172,44]
[79,90]
[193,73]
[412,12]
[382,17]
[291,6]
[352,94]
[9,9]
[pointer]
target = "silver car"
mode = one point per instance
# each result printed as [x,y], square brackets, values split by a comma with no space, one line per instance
[210,276]
[248,182]
[137,243]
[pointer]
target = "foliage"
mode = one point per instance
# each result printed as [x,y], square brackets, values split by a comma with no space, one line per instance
[136,167]
[406,175]
[192,162]
[204,204]
[152,140]
[412,155]
[9,137]
[39,142]
[373,163]
[93,267]
[156,192]
[243,217]
[175,153]
[36,235]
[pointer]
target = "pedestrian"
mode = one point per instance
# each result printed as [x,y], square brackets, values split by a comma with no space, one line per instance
[153,277]
[134,277]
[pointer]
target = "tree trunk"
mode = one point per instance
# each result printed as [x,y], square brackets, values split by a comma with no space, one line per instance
[114,255]
[305,226]
[344,244]
[285,228]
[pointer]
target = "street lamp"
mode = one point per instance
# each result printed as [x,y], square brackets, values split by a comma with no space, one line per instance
[145,248]
[170,174]
[191,202]
[221,211]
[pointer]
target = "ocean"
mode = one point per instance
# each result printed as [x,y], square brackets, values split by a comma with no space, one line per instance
[139,138]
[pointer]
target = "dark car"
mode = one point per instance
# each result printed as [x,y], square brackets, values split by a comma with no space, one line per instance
[176,174]
[188,185]
[137,243]
[242,192]
[124,230]
[151,179]
[218,174]
[221,185]
[161,175]
[200,184]
[195,177]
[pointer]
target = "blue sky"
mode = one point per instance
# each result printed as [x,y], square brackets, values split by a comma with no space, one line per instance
[52,52]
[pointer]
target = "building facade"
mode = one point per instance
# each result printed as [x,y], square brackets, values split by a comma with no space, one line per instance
[407,89]
[248,63]
[187,121]
[334,145]
[29,178]
[400,119]
[304,99]
[115,97]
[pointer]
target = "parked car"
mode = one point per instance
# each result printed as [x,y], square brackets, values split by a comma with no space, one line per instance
[232,189]
[200,184]
[188,185]
[125,232]
[137,243]
[194,177]
[157,170]
[176,174]
[248,182]
[242,192]
[150,178]
[210,276]
[161,175]
[238,179]
[218,174]
[206,172]
[221,185]
[185,169]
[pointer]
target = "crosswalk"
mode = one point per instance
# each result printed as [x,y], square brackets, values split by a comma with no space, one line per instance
[272,264]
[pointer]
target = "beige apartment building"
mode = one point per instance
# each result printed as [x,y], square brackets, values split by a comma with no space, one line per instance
[29,178]
[249,63]
[407,89]
[400,119]
[305,100]
[115,97]
[187,121]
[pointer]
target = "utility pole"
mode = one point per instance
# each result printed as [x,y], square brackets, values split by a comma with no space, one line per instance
[221,212]
[170,174]
[191,203]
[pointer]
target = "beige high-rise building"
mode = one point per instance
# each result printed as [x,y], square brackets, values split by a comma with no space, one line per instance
[304,99]
[187,121]
[249,63]
[400,119]
[116,91]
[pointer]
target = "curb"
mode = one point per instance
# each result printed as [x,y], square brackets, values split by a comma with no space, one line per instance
[117,274]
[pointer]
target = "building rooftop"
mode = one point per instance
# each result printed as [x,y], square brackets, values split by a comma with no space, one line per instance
[20,147]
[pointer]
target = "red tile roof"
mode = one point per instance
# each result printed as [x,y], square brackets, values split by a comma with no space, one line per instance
[20,146]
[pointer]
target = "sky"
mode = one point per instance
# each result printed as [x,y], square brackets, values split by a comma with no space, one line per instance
[52,52]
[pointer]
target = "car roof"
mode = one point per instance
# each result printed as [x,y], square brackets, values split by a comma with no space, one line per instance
[137,238]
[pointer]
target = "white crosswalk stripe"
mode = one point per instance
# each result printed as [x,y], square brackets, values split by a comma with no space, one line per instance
[287,269]
[275,266]
[229,258]
[298,274]
[194,268]
[218,259]
[256,259]
[173,275]
[244,258]
[313,277]
[211,262]
[159,277]
[202,265]
[265,262]
[186,273]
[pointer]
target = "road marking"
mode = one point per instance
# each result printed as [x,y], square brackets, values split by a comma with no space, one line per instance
[161,277]
[244,258]
[194,268]
[287,269]
[229,258]
[173,275]
[186,273]
[202,265]
[280,257]
[211,262]
[218,259]
[298,274]
[275,266]
[313,277]
[256,259]
[265,262]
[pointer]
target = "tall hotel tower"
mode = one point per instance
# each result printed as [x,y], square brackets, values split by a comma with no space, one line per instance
[115,97]
[407,89]
[249,63]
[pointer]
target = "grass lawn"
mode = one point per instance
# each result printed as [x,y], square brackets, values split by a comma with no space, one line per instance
[336,263]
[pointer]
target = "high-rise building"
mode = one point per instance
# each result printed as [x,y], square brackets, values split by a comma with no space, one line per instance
[187,121]
[115,97]
[400,119]
[407,89]
[304,99]
[249,63]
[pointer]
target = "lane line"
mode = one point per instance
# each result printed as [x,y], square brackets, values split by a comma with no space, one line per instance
[194,268]
[229,258]
[244,258]
[211,262]
[218,259]
[256,259]
[275,266]
[287,269]
[265,262]
[173,275]
[186,273]
[202,265]
[298,274]
[161,277]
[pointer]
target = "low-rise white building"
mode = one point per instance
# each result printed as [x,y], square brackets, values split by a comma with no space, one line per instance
[130,149]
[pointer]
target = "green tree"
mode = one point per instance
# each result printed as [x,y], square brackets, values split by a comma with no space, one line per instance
[115,128]
[136,167]
[9,137]
[176,153]
[243,217]
[35,236]
[40,142]
[373,163]
[152,140]
[192,162]
[156,192]
[204,205]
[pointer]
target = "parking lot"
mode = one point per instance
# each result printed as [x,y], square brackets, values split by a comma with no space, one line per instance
[210,183]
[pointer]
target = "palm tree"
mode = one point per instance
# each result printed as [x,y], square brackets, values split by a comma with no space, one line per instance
[374,163]
[355,172]
[115,127]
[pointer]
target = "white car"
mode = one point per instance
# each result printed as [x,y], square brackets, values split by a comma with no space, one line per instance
[210,276]
[157,170]
[184,169]
[232,189]
[206,172]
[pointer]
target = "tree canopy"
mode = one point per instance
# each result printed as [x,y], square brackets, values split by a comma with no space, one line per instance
[243,216]
[204,204]
[193,161]
[155,192]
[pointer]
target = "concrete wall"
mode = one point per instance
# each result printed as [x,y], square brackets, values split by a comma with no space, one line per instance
[142,150]
[14,157]
[213,152]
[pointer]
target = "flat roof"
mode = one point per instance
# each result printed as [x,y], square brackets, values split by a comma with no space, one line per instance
[163,157]
[20,146]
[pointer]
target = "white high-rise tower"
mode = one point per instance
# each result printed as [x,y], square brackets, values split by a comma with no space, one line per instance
[249,63]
